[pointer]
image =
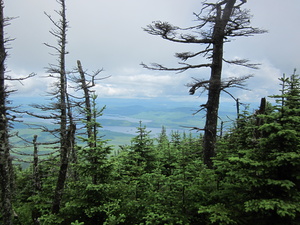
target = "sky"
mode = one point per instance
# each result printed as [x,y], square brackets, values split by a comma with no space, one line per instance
[108,34]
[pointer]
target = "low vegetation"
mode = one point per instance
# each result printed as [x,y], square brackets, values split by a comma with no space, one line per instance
[163,180]
[248,174]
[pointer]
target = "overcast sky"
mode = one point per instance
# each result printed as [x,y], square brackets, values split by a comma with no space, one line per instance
[108,34]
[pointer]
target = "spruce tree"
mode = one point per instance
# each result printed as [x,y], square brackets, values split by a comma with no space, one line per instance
[142,149]
[259,183]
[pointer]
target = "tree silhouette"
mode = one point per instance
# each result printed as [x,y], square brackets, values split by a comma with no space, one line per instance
[61,104]
[6,119]
[217,24]
[6,204]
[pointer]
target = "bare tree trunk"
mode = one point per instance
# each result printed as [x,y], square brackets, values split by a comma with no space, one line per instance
[63,106]
[90,126]
[63,171]
[215,85]
[259,121]
[37,187]
[5,159]
[87,102]
[224,20]
[37,181]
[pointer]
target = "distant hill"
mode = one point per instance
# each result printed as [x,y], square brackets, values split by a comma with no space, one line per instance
[122,116]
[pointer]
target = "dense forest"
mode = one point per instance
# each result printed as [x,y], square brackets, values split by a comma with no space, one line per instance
[248,174]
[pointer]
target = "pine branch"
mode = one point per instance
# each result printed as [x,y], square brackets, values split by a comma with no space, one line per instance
[235,82]
[169,32]
[186,55]
[198,84]
[243,62]
[156,66]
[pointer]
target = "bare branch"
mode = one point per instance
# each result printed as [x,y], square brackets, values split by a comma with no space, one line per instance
[169,32]
[239,24]
[194,128]
[235,82]
[156,66]
[20,78]
[231,95]
[198,84]
[51,46]
[243,62]
[56,24]
[223,20]
[186,55]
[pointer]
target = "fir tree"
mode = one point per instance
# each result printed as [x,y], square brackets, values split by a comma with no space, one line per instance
[259,183]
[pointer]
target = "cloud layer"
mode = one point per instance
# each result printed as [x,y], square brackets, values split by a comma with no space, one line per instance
[109,35]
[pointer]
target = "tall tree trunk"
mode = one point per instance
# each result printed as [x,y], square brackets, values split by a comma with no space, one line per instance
[219,24]
[5,159]
[214,90]
[87,102]
[90,117]
[259,121]
[63,171]
[63,104]
[37,187]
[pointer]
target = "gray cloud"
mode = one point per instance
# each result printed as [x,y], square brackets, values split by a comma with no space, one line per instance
[109,35]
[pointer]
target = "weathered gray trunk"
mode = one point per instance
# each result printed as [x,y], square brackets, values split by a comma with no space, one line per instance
[64,141]
[90,117]
[87,102]
[36,174]
[63,171]
[4,147]
[214,90]
[220,24]
[5,160]
[37,187]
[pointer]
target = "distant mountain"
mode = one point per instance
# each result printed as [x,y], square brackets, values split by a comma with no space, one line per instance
[122,116]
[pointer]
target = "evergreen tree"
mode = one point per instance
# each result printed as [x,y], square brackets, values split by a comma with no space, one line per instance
[259,183]
[93,170]
[93,155]
[142,149]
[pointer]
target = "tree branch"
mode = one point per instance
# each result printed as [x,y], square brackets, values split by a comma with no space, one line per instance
[186,55]
[169,32]
[198,84]
[243,62]
[156,66]
[235,82]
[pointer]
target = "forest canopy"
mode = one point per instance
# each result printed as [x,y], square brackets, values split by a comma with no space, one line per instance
[248,174]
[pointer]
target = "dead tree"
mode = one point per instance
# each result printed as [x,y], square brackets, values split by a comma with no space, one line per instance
[85,86]
[63,105]
[37,187]
[217,24]
[37,159]
[85,82]
[6,201]
[60,108]
[259,121]
[6,119]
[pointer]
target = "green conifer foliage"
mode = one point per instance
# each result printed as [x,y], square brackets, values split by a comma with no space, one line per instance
[95,150]
[278,158]
[93,173]
[259,183]
[143,149]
